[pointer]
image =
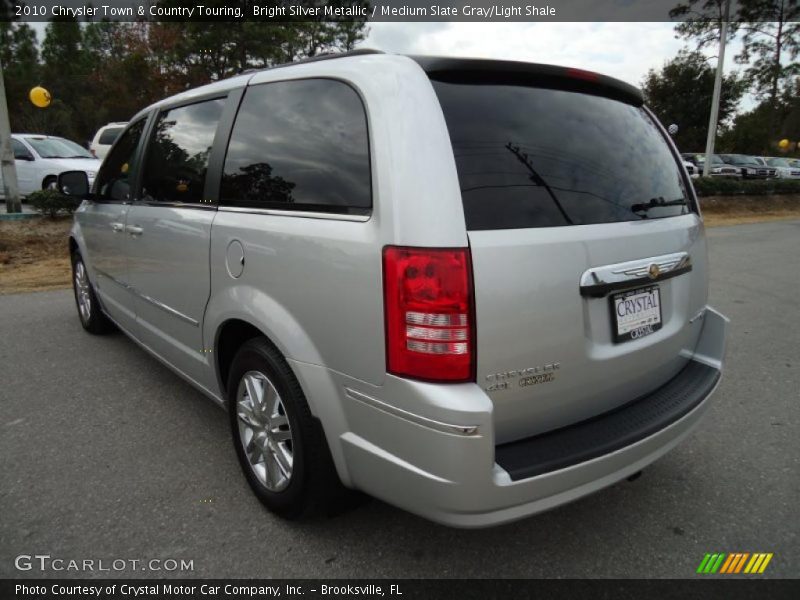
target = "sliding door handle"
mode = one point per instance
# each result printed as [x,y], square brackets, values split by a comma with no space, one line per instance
[134,230]
[117,227]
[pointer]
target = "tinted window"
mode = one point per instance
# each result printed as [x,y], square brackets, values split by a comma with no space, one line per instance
[20,151]
[177,155]
[299,145]
[109,136]
[533,157]
[116,174]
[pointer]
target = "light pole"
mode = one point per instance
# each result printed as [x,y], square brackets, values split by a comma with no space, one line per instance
[712,121]
[7,167]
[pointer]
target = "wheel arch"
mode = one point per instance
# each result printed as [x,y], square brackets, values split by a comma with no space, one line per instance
[230,336]
[49,176]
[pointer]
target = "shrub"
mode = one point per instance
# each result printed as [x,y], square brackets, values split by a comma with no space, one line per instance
[726,186]
[51,203]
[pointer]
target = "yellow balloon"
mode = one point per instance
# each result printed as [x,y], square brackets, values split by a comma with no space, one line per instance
[40,97]
[783,144]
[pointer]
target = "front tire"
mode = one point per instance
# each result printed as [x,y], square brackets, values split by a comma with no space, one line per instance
[280,446]
[92,318]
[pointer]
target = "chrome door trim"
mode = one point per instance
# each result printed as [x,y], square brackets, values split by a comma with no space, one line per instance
[465,430]
[153,301]
[296,213]
[110,278]
[167,309]
[600,281]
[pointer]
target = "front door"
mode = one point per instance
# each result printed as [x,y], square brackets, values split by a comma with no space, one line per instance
[103,222]
[169,231]
[25,164]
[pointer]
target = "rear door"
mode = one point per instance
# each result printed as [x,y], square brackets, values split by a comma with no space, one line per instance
[588,256]
[169,229]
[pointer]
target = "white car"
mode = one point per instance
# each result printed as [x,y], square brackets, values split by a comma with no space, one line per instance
[41,158]
[785,169]
[105,138]
[692,169]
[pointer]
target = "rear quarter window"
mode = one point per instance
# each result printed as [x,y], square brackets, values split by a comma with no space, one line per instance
[299,145]
[537,157]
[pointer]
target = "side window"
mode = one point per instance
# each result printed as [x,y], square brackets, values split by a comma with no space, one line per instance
[176,159]
[20,151]
[299,145]
[114,179]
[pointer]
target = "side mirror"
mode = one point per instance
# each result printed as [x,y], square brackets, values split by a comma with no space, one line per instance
[73,183]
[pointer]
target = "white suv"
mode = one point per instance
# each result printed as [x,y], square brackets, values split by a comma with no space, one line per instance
[105,138]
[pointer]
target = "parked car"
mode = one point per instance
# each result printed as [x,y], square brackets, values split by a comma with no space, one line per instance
[783,167]
[404,302]
[691,168]
[718,167]
[39,159]
[105,138]
[750,168]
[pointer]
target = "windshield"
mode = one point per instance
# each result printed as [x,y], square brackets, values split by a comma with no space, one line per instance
[53,147]
[536,157]
[715,159]
[778,162]
[741,159]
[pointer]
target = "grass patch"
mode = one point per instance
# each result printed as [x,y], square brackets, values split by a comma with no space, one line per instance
[34,255]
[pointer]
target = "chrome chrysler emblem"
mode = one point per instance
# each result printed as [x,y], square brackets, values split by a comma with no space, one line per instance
[654,271]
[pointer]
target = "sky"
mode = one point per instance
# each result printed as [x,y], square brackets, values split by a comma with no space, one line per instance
[626,51]
[622,50]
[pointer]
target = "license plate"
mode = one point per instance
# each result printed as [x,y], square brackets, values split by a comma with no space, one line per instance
[635,313]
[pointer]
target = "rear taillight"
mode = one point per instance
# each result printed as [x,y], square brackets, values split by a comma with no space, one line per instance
[428,301]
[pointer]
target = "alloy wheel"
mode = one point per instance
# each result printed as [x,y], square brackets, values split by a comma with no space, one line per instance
[264,431]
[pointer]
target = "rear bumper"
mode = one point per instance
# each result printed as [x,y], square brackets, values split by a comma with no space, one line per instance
[445,466]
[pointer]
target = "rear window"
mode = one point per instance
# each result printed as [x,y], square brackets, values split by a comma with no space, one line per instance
[110,135]
[535,157]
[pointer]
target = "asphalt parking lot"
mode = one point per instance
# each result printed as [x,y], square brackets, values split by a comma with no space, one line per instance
[106,454]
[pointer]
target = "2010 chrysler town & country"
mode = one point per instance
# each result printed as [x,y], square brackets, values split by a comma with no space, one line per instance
[474,289]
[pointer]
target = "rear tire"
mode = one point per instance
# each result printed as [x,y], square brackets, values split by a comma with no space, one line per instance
[89,312]
[281,447]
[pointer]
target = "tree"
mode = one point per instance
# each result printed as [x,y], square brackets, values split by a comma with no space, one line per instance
[771,35]
[702,22]
[20,57]
[681,93]
[64,72]
[200,52]
[760,130]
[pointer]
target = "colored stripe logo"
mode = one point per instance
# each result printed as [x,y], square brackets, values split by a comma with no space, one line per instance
[735,562]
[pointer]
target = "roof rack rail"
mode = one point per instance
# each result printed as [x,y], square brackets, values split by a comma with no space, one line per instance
[318,57]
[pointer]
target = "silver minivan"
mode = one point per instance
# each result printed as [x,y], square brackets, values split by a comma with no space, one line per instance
[474,289]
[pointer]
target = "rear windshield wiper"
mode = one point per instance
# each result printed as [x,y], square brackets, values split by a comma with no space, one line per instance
[657,203]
